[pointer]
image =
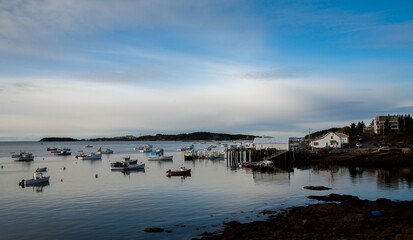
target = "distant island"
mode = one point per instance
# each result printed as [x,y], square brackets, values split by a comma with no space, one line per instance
[196,136]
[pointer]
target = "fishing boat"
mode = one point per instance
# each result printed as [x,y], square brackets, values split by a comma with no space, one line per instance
[134,166]
[128,160]
[23,156]
[91,156]
[146,149]
[37,178]
[127,165]
[158,155]
[181,172]
[107,151]
[189,156]
[63,153]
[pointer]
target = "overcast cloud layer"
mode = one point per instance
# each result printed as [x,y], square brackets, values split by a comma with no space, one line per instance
[109,68]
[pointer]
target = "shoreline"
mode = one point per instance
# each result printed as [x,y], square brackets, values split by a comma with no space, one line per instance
[351,218]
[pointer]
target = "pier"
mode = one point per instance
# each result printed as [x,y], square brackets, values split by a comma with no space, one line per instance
[281,158]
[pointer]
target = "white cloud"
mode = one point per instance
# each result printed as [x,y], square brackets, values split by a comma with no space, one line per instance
[50,107]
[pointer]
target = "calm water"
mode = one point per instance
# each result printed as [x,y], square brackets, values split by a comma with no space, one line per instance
[94,202]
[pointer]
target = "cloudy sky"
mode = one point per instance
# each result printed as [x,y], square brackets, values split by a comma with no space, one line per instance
[82,69]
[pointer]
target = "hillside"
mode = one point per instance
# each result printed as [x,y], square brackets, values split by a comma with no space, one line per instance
[196,136]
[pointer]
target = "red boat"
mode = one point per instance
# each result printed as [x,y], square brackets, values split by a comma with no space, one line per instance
[182,172]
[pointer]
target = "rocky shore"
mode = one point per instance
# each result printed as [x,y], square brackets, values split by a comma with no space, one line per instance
[350,218]
[394,158]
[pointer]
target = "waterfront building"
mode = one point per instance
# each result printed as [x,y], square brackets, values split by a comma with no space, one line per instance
[279,143]
[331,139]
[379,122]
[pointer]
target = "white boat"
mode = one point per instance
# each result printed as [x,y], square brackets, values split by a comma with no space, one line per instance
[42,169]
[146,150]
[91,156]
[159,156]
[23,156]
[37,178]
[106,151]
[186,148]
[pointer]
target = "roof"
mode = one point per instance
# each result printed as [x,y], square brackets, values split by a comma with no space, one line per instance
[340,135]
[271,140]
[384,118]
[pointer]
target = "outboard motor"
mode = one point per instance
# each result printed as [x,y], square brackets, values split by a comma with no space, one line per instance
[22,183]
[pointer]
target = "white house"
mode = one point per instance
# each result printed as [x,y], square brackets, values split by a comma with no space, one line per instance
[331,139]
[279,143]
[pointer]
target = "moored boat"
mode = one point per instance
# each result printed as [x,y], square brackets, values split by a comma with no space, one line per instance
[127,165]
[91,156]
[128,160]
[181,172]
[188,156]
[159,156]
[37,178]
[42,169]
[63,153]
[23,156]
[134,166]
[107,151]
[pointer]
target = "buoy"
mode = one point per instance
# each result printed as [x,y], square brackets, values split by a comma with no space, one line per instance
[96,175]
[61,179]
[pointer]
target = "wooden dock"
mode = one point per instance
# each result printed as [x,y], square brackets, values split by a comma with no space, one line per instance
[281,158]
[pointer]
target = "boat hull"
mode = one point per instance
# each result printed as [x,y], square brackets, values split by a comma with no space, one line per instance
[186,157]
[163,158]
[24,159]
[31,182]
[179,173]
[90,158]
[134,166]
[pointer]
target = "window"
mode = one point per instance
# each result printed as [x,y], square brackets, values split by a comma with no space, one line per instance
[331,137]
[315,143]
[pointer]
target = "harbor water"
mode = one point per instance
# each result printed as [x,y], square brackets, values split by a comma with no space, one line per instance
[85,199]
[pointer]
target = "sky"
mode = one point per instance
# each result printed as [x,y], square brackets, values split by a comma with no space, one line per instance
[102,68]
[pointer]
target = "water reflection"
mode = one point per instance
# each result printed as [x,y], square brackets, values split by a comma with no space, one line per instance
[384,178]
[128,172]
[332,174]
[393,179]
[275,176]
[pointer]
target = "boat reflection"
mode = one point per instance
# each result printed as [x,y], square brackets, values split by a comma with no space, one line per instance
[128,172]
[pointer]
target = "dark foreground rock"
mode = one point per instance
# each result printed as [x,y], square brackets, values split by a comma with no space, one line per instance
[350,219]
[153,229]
[334,198]
[317,188]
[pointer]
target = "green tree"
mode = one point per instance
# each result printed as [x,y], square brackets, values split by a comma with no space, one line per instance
[387,127]
[360,126]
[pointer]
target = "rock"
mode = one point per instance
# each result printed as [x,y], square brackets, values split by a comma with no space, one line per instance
[316,188]
[268,212]
[153,229]
[334,198]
